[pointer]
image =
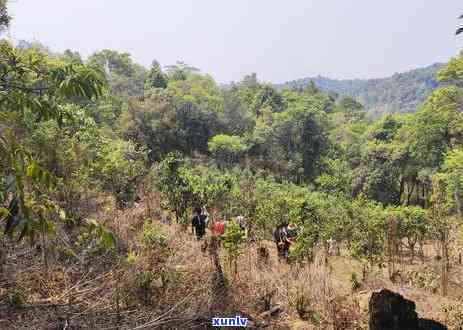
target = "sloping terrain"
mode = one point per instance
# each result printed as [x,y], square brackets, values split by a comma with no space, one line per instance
[400,93]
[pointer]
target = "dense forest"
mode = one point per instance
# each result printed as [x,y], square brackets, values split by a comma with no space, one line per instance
[400,93]
[104,161]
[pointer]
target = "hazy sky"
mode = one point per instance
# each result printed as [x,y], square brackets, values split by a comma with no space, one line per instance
[279,40]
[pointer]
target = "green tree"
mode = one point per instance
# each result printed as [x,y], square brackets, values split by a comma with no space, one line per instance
[173,186]
[238,118]
[438,126]
[182,117]
[226,149]
[125,77]
[233,241]
[34,88]
[180,71]
[72,56]
[119,166]
[155,77]
[4,17]
[208,186]
[453,177]
[352,109]
[292,142]
[413,225]
[369,224]
[441,222]
[460,30]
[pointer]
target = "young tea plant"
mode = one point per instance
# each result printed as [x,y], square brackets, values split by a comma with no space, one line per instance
[232,241]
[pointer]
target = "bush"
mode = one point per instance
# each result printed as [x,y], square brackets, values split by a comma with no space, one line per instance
[232,241]
[95,240]
[152,237]
[144,284]
[226,148]
[369,234]
[120,166]
[425,278]
[66,254]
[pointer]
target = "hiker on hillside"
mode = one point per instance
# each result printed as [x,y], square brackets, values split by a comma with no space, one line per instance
[243,223]
[199,223]
[284,236]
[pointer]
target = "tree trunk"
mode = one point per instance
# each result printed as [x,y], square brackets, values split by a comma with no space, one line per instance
[392,248]
[214,252]
[44,250]
[445,264]
[2,256]
[402,186]
[410,193]
[457,198]
[412,252]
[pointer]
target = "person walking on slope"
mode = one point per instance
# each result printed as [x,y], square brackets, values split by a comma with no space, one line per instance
[242,222]
[199,223]
[284,236]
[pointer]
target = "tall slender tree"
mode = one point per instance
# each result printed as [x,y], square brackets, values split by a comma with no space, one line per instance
[4,17]
[460,30]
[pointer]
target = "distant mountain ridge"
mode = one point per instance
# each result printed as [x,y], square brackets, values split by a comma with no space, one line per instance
[399,93]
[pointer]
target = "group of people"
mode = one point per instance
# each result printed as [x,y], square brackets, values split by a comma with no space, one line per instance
[200,222]
[284,235]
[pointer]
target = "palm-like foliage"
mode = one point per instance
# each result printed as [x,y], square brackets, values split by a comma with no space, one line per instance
[34,88]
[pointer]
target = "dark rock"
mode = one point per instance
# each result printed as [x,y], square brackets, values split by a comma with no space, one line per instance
[425,324]
[390,311]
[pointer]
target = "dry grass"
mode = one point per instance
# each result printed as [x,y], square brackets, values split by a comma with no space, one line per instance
[177,290]
[308,294]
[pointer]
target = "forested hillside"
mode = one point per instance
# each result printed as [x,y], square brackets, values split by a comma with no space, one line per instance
[400,93]
[109,170]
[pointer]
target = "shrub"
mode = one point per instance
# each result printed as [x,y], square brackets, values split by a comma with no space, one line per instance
[152,236]
[144,283]
[369,225]
[226,148]
[425,278]
[232,241]
[94,240]
[120,167]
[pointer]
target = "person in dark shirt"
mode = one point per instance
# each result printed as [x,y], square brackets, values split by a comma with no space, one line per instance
[199,223]
[284,236]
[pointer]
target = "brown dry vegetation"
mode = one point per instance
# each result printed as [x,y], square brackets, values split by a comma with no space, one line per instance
[175,287]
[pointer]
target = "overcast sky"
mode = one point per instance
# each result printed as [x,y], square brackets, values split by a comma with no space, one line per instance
[279,40]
